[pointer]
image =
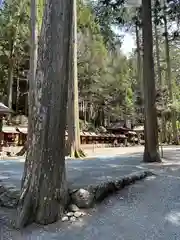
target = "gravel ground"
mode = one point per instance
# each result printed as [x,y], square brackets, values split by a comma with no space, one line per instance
[146,210]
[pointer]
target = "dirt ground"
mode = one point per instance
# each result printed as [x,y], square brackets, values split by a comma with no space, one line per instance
[90,151]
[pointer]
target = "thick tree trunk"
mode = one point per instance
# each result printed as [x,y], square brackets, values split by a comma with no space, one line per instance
[44,193]
[169,80]
[151,152]
[73,102]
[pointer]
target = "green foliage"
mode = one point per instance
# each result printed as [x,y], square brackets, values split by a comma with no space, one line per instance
[108,84]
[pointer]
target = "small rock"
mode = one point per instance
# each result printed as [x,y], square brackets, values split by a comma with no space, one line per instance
[127,181]
[102,192]
[72,219]
[83,198]
[78,214]
[142,176]
[83,214]
[71,191]
[119,184]
[73,208]
[111,187]
[6,200]
[70,214]
[65,219]
[134,178]
[2,189]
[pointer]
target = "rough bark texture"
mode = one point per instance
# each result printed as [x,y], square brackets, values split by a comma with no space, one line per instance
[151,152]
[10,83]
[157,52]
[169,80]
[139,65]
[44,193]
[163,121]
[12,44]
[73,103]
[31,100]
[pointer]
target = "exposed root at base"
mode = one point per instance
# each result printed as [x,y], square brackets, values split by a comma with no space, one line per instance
[148,158]
[22,151]
[24,216]
[78,154]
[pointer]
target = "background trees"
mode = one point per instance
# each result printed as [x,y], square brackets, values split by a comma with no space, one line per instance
[105,74]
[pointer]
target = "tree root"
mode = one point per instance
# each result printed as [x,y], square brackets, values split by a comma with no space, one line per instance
[151,158]
[78,153]
[24,216]
[23,150]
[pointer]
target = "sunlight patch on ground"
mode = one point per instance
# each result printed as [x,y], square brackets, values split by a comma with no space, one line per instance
[78,223]
[173,217]
[114,165]
[104,178]
[151,178]
[22,160]
[170,163]
[140,167]
[4,177]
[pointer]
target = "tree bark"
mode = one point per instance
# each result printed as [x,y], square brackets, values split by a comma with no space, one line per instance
[31,96]
[12,44]
[73,102]
[151,151]
[10,83]
[139,65]
[169,80]
[157,53]
[163,121]
[44,193]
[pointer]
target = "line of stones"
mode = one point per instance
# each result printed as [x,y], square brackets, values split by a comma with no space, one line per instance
[82,198]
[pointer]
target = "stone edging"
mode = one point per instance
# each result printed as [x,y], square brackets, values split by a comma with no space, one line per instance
[86,198]
[82,198]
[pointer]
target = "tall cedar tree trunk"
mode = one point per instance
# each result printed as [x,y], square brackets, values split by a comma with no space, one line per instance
[139,65]
[151,151]
[163,120]
[44,193]
[139,62]
[73,103]
[31,97]
[10,83]
[169,80]
[12,44]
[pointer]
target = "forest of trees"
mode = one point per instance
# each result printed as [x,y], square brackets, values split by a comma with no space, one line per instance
[142,87]
[110,83]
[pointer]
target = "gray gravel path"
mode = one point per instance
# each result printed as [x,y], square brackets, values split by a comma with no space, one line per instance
[80,173]
[144,211]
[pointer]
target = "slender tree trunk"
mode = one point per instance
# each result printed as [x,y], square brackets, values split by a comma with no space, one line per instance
[12,44]
[151,152]
[73,102]
[10,83]
[163,121]
[169,80]
[44,193]
[31,96]
[17,92]
[139,65]
[158,55]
